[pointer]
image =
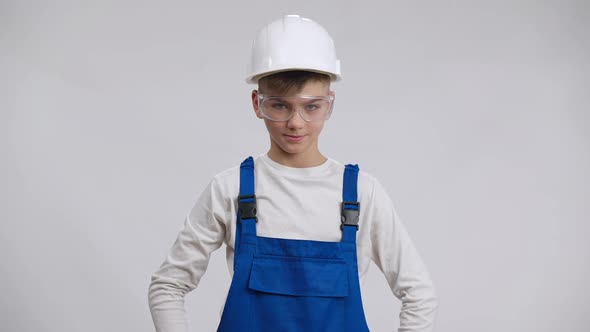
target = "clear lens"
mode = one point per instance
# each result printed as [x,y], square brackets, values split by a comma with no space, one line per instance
[311,108]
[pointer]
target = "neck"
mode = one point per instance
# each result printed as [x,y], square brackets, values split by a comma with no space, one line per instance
[297,160]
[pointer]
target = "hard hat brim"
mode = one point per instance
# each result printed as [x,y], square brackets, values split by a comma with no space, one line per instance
[253,79]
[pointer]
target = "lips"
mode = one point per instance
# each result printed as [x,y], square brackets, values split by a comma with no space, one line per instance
[292,138]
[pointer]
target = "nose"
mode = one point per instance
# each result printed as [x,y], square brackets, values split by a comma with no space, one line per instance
[296,121]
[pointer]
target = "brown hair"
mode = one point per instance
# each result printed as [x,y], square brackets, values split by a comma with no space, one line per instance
[282,82]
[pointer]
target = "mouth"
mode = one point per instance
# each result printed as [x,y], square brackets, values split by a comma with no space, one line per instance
[294,138]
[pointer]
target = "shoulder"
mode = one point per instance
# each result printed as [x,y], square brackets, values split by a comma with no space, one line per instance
[366,185]
[227,181]
[227,174]
[366,182]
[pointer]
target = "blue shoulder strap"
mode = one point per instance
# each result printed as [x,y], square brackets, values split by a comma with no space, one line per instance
[350,210]
[246,214]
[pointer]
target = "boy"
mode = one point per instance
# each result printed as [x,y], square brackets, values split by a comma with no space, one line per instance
[299,227]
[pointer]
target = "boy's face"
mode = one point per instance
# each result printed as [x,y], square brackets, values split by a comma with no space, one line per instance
[295,136]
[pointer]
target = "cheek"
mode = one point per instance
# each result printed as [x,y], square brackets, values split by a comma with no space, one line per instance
[317,128]
[274,128]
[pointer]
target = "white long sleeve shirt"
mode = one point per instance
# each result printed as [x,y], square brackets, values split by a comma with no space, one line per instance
[293,203]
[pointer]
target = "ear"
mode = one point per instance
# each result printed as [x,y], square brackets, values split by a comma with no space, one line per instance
[255,104]
[333,94]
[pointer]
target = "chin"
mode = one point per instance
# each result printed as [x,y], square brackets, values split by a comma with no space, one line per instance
[293,149]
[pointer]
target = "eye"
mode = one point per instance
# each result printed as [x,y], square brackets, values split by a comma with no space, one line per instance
[279,106]
[312,107]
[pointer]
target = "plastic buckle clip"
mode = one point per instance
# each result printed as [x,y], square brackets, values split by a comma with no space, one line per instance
[247,209]
[350,217]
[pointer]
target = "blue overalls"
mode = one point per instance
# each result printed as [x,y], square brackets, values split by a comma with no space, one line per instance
[284,285]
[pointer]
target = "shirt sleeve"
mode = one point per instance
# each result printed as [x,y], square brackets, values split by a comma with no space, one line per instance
[186,262]
[395,255]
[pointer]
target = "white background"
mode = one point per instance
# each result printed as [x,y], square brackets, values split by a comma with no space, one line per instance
[474,115]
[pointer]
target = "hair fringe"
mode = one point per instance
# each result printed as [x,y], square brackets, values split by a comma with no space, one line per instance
[285,81]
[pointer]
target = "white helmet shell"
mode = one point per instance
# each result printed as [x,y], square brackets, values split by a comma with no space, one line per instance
[293,43]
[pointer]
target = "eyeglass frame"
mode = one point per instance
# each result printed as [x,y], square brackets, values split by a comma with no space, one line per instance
[329,98]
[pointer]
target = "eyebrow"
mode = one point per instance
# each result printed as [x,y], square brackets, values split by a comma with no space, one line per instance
[280,99]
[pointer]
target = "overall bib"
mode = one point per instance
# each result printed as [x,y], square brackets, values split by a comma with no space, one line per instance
[284,285]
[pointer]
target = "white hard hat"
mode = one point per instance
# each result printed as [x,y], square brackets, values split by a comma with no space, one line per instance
[293,43]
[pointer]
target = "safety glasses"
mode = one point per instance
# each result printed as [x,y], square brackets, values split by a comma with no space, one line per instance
[310,108]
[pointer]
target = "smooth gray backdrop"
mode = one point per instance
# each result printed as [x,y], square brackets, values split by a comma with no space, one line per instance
[475,115]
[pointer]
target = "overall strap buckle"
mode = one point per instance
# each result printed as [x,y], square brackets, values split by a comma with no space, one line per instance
[350,212]
[247,209]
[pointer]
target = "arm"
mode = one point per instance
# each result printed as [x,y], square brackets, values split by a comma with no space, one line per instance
[187,261]
[395,255]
